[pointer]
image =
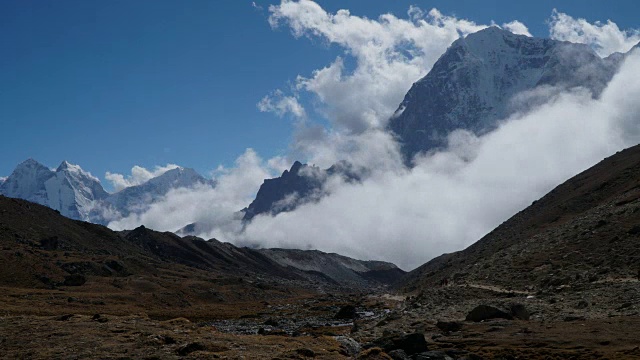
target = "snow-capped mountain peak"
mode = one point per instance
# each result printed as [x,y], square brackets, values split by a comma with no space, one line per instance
[473,84]
[79,195]
[27,181]
[68,189]
[138,198]
[74,191]
[76,171]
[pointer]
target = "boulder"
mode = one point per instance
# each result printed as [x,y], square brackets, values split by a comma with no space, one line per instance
[449,326]
[399,354]
[347,312]
[349,345]
[411,343]
[519,311]
[187,349]
[74,280]
[64,317]
[486,312]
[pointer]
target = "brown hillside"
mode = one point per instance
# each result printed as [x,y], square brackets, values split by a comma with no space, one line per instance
[584,231]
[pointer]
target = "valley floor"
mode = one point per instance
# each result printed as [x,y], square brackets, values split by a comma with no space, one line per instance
[304,326]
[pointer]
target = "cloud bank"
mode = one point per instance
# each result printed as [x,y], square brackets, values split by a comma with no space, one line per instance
[280,104]
[450,198]
[210,207]
[604,38]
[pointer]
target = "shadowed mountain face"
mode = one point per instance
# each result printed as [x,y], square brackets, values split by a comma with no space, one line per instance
[284,193]
[584,231]
[478,80]
[299,185]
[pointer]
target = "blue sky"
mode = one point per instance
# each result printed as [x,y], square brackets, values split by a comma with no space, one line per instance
[110,85]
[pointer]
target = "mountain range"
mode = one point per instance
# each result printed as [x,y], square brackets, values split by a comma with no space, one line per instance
[108,253]
[78,195]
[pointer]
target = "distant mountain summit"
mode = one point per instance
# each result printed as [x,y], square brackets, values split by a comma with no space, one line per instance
[284,193]
[299,185]
[79,195]
[68,189]
[474,84]
[140,197]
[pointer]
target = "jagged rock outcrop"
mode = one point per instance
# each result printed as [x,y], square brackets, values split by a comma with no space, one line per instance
[297,186]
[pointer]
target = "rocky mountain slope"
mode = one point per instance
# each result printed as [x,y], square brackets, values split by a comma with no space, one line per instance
[586,231]
[340,269]
[92,292]
[476,83]
[77,194]
[559,279]
[299,184]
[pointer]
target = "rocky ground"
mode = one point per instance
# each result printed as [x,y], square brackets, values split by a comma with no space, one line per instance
[431,324]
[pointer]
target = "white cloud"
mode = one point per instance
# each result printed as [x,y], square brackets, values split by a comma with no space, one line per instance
[3,179]
[389,54]
[604,38]
[256,6]
[214,209]
[516,27]
[280,104]
[373,149]
[139,175]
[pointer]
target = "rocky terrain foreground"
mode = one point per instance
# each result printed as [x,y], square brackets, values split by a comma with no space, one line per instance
[559,280]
